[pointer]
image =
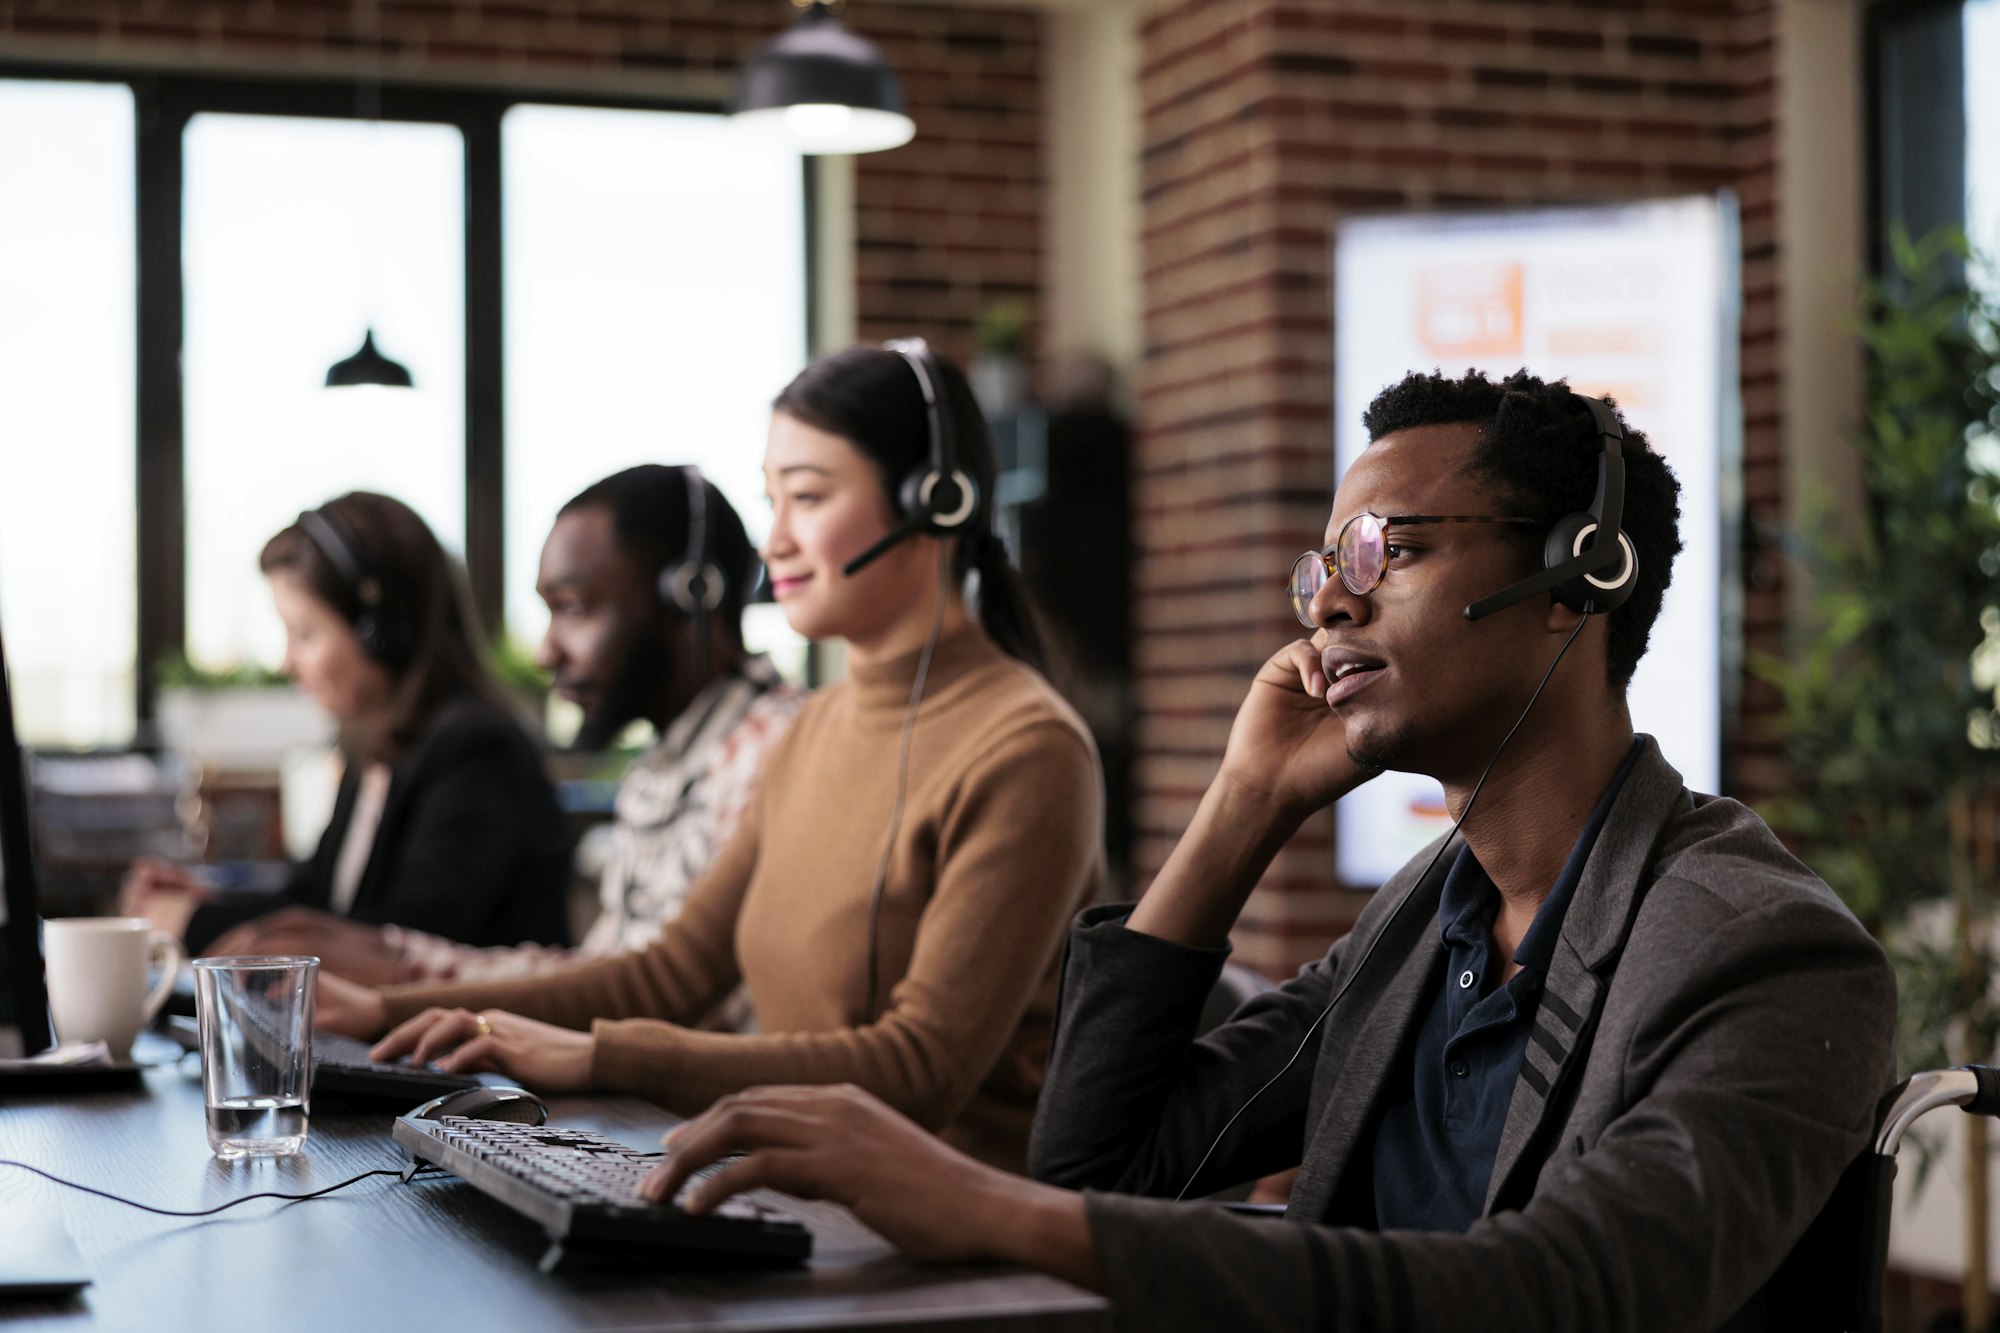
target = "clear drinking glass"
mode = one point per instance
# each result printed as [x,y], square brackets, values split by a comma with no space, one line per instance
[256,1018]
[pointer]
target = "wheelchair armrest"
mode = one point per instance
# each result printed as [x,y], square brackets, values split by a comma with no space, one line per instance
[1987,1100]
[1973,1087]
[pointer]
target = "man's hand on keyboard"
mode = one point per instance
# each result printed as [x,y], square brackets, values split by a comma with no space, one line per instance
[541,1056]
[843,1144]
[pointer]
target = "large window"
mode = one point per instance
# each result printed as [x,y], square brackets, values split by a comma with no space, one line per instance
[1982,124]
[67,509]
[574,289]
[1937,122]
[298,234]
[655,278]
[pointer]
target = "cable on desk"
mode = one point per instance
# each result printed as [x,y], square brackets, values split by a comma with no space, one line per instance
[206,1212]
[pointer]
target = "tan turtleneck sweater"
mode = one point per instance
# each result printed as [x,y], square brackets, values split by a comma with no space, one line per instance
[1001,843]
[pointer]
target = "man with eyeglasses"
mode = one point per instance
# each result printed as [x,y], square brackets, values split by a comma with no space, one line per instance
[1592,1061]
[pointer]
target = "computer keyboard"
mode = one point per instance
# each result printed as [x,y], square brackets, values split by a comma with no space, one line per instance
[341,1068]
[583,1188]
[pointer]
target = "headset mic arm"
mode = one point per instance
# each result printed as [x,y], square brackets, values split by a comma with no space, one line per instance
[908,528]
[1597,557]
[1609,508]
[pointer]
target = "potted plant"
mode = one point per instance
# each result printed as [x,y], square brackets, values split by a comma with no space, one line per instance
[242,718]
[1889,709]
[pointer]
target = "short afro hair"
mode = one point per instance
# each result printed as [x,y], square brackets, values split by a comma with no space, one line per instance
[1538,447]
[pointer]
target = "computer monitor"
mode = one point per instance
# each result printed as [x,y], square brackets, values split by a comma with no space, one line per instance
[24,997]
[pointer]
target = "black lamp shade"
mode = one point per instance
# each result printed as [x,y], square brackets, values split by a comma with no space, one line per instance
[823,89]
[367,366]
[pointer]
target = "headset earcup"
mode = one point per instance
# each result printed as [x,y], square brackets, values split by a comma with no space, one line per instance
[1627,574]
[1578,592]
[1572,593]
[380,639]
[911,494]
[672,590]
[692,589]
[945,502]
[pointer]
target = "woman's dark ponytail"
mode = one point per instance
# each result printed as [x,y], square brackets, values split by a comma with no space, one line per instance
[1007,609]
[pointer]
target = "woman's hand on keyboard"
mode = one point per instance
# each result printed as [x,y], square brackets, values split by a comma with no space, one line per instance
[843,1144]
[348,948]
[351,1010]
[540,1055]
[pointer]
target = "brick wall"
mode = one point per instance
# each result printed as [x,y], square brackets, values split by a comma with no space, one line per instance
[947,226]
[1265,121]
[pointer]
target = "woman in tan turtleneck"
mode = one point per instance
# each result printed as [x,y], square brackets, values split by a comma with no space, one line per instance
[997,845]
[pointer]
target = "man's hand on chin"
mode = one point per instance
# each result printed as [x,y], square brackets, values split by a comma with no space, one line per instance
[1287,757]
[1287,744]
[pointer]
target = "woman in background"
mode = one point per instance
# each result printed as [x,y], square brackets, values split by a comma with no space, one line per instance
[629,638]
[918,843]
[445,820]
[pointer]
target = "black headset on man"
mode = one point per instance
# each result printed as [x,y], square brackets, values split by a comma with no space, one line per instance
[693,585]
[1568,570]
[1572,574]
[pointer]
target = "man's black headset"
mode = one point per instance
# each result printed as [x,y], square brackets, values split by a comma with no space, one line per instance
[937,497]
[695,585]
[1569,572]
[1568,569]
[382,629]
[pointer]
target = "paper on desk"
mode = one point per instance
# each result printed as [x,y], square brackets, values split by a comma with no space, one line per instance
[68,1053]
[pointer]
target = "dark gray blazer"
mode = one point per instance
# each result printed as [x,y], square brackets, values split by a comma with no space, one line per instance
[1713,1037]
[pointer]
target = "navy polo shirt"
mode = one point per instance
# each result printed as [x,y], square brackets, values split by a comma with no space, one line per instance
[1443,1111]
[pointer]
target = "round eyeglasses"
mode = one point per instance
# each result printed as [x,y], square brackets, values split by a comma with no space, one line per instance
[1360,556]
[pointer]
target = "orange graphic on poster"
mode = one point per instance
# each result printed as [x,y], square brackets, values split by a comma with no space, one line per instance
[1470,310]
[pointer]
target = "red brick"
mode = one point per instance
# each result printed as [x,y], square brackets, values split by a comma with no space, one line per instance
[1468,33]
[56,25]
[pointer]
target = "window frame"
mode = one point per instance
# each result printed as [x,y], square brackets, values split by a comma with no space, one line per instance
[1881,21]
[164,104]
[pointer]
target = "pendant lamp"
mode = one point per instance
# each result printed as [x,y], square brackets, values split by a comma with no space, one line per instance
[820,89]
[367,366]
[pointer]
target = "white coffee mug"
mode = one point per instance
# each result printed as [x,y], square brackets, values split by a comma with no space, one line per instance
[97,977]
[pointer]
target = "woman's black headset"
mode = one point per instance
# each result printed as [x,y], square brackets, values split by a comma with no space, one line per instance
[383,630]
[937,497]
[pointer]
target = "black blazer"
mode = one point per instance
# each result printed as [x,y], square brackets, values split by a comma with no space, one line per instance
[472,845]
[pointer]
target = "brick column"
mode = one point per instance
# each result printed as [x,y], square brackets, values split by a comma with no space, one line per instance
[1268,120]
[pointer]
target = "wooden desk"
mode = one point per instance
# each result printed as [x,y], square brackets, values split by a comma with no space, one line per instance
[434,1254]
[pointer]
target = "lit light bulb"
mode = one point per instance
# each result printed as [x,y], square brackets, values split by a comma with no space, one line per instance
[818,122]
